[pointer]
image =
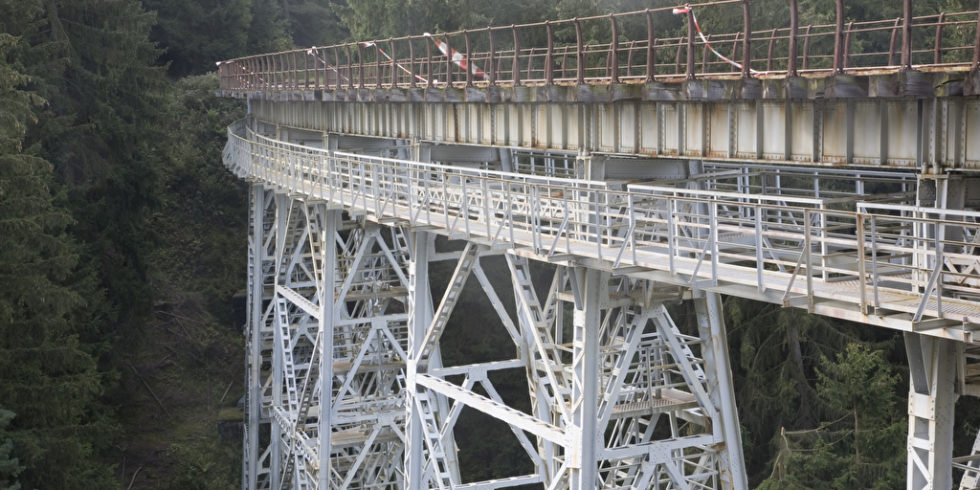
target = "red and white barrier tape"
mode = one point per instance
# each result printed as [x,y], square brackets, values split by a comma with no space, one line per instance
[457,58]
[241,78]
[687,8]
[368,44]
[314,52]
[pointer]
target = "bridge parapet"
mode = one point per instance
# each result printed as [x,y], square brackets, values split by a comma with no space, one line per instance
[909,56]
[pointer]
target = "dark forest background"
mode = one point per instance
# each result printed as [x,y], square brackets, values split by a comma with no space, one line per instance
[122,246]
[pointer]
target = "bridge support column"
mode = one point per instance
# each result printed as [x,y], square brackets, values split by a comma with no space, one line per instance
[326,287]
[932,370]
[714,350]
[420,314]
[584,435]
[255,460]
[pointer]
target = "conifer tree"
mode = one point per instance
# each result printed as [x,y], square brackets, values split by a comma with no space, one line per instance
[47,376]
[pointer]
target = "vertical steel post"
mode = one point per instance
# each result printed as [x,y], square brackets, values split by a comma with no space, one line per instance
[976,41]
[579,54]
[690,45]
[254,329]
[891,42]
[937,54]
[746,40]
[449,63]
[418,320]
[711,328]
[394,55]
[411,62]
[468,59]
[275,442]
[549,74]
[907,36]
[838,41]
[614,50]
[932,398]
[585,389]
[492,73]
[794,27]
[651,52]
[516,68]
[325,289]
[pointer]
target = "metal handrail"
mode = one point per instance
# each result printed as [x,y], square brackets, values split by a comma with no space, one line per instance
[635,55]
[883,259]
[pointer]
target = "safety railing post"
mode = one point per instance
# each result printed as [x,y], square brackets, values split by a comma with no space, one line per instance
[614,51]
[360,65]
[468,58]
[862,265]
[806,47]
[295,78]
[838,35]
[769,53]
[579,53]
[937,53]
[976,41]
[449,63]
[428,64]
[306,69]
[651,41]
[746,40]
[393,55]
[336,59]
[759,259]
[874,263]
[808,244]
[794,27]
[549,75]
[492,73]
[516,68]
[713,236]
[350,67]
[891,42]
[411,62]
[847,45]
[690,44]
[907,36]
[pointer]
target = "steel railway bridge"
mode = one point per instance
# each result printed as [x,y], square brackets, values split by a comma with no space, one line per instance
[610,178]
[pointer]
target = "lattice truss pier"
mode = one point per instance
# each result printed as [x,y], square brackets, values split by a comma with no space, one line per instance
[340,249]
[619,396]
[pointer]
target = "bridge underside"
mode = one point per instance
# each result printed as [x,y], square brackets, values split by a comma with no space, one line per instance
[603,208]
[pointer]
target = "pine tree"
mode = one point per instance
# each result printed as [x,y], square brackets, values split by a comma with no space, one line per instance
[9,465]
[188,29]
[861,446]
[47,376]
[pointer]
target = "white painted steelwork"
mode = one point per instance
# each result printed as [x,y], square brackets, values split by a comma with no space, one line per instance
[620,251]
[709,239]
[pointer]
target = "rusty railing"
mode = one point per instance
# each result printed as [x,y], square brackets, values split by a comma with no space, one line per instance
[621,48]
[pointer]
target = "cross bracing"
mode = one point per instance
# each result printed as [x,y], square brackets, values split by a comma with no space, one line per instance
[646,243]
[839,182]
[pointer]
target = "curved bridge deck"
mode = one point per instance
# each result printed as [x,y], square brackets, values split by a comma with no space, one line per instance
[877,265]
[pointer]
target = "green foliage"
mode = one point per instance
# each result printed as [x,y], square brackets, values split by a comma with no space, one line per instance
[188,29]
[9,465]
[862,446]
[47,373]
